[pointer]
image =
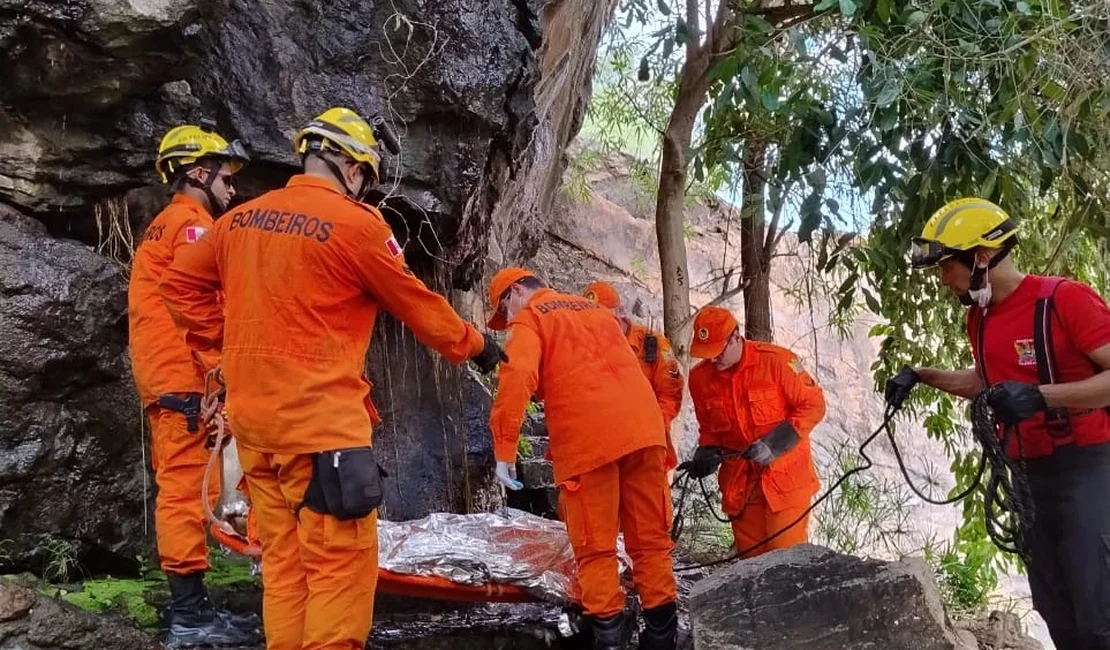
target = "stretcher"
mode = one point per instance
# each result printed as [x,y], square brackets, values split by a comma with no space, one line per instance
[509,556]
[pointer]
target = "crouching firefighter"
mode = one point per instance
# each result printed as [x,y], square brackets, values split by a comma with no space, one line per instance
[755,407]
[1041,346]
[197,164]
[607,447]
[656,360]
[305,270]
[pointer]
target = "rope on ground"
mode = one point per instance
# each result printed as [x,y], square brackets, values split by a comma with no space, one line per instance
[1008,505]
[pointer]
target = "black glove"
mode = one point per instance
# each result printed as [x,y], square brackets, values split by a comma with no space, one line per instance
[775,443]
[898,387]
[490,356]
[1014,401]
[705,462]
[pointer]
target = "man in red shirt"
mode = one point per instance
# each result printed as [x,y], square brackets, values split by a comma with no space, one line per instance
[1042,347]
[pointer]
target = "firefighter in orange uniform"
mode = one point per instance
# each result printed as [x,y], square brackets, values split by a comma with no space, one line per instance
[607,446]
[756,407]
[304,270]
[654,352]
[198,164]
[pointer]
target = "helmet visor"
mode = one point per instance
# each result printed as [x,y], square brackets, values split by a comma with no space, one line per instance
[927,252]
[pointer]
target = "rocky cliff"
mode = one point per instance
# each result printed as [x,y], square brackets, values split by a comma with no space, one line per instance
[484,96]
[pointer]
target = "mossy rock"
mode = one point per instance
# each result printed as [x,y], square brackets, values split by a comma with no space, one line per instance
[142,599]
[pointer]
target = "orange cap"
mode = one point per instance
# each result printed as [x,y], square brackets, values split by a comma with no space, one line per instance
[712,327]
[500,283]
[603,294]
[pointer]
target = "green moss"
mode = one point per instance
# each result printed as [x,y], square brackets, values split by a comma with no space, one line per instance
[230,571]
[127,597]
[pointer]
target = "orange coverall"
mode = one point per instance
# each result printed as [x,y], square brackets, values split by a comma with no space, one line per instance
[162,363]
[665,377]
[737,407]
[607,443]
[305,270]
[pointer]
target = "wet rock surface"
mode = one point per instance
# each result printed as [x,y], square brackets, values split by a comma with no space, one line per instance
[997,630]
[811,598]
[71,453]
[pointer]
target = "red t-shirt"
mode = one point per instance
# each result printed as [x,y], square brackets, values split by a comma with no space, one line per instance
[1080,325]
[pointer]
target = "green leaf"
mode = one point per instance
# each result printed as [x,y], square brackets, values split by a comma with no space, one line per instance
[888,94]
[847,8]
[872,303]
[816,179]
[748,79]
[1023,7]
[668,48]
[811,217]
[663,8]
[915,18]
[760,24]
[770,100]
[645,70]
[825,4]
[882,8]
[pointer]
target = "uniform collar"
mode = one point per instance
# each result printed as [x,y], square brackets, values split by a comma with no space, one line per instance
[184,200]
[306,180]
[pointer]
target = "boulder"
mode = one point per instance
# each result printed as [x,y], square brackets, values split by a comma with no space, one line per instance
[811,598]
[32,621]
[71,449]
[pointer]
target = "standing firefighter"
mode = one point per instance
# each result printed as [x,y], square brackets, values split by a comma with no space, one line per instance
[607,446]
[197,164]
[654,352]
[756,407]
[1041,347]
[305,269]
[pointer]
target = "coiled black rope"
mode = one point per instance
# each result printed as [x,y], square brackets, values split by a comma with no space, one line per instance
[1007,499]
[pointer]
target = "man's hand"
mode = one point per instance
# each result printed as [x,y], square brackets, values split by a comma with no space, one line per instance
[490,356]
[1015,401]
[898,387]
[705,462]
[759,452]
[506,475]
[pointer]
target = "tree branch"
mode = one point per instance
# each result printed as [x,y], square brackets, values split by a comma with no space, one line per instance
[692,44]
[726,293]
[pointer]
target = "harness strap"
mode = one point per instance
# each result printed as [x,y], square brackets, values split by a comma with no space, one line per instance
[1057,420]
[188,406]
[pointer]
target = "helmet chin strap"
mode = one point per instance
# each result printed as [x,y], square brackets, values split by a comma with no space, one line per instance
[362,191]
[981,286]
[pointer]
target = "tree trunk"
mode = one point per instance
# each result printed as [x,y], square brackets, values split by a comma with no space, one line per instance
[670,214]
[755,257]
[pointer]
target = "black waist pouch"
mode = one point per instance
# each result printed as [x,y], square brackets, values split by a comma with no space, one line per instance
[345,483]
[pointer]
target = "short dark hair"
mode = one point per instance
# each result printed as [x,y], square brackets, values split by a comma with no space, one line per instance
[531,282]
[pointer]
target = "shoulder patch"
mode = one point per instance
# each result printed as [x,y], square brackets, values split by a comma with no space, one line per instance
[194,233]
[393,247]
[795,365]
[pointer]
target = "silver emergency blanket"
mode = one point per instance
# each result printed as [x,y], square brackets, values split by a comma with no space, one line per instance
[509,547]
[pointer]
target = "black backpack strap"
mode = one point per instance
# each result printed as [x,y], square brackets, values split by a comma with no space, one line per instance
[1057,420]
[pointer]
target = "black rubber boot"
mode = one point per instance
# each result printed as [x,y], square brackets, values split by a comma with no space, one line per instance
[193,622]
[660,628]
[609,633]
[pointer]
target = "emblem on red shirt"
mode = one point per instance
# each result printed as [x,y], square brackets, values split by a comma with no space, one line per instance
[1026,353]
[194,233]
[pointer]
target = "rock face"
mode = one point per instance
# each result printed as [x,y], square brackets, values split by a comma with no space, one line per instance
[810,598]
[483,96]
[30,621]
[71,453]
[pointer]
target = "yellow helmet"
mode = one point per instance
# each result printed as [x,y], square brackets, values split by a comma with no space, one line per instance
[186,144]
[344,131]
[961,226]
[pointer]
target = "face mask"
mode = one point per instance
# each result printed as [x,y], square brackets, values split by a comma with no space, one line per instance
[980,287]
